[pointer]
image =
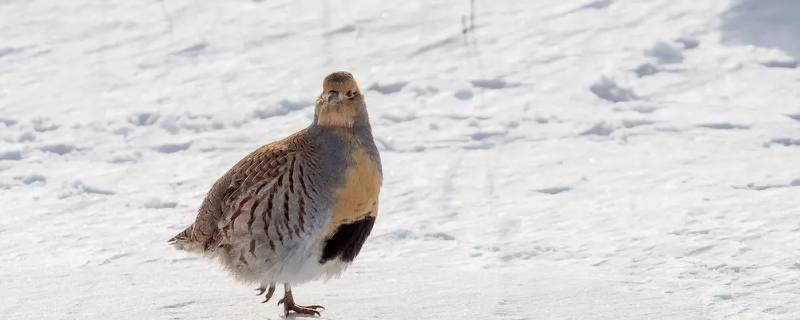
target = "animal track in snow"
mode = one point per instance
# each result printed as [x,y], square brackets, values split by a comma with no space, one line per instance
[8,122]
[283,107]
[645,70]
[553,190]
[9,51]
[42,125]
[437,44]
[176,305]
[597,4]
[59,148]
[388,88]
[343,29]
[192,122]
[644,109]
[724,126]
[34,178]
[191,51]
[78,187]
[156,203]
[635,123]
[779,63]
[397,117]
[463,94]
[439,236]
[483,135]
[143,118]
[493,84]
[609,90]
[699,250]
[26,137]
[688,43]
[599,129]
[124,157]
[786,142]
[756,187]
[10,155]
[593,5]
[665,53]
[173,147]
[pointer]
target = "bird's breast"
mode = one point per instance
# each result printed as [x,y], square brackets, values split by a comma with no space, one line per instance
[357,197]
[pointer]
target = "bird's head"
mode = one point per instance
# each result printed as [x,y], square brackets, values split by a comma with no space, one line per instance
[341,103]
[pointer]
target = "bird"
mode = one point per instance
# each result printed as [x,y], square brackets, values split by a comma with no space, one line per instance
[298,209]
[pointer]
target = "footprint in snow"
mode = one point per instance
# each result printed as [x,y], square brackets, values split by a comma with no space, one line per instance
[554,190]
[688,43]
[11,155]
[786,62]
[463,94]
[607,89]
[388,88]
[282,108]
[8,122]
[493,84]
[665,53]
[173,147]
[143,119]
[635,123]
[59,148]
[34,178]
[156,203]
[599,129]
[724,126]
[343,29]
[756,187]
[191,51]
[43,125]
[176,305]
[645,70]
[439,236]
[786,142]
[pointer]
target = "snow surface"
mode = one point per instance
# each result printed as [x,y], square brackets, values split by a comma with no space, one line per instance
[558,160]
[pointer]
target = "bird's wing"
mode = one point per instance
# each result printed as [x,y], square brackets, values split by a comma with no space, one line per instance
[276,207]
[268,172]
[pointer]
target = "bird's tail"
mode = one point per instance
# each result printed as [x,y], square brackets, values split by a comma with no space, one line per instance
[184,241]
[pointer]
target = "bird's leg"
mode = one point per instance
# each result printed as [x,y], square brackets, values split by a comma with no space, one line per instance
[290,306]
[270,290]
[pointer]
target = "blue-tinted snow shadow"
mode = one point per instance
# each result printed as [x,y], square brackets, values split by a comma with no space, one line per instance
[764,23]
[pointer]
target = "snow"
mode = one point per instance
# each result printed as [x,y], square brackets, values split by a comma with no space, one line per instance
[548,160]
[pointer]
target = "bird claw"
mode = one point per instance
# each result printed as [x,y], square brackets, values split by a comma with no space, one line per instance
[315,306]
[302,310]
[270,290]
[289,306]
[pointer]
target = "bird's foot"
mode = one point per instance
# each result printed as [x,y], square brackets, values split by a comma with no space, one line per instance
[270,290]
[289,306]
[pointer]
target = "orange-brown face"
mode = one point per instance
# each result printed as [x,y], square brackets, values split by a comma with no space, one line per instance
[340,101]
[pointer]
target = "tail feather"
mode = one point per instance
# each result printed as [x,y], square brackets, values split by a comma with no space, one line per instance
[184,241]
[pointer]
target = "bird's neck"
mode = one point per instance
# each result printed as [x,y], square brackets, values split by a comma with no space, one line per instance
[343,119]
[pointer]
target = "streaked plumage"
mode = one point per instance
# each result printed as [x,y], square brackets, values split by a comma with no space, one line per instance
[297,209]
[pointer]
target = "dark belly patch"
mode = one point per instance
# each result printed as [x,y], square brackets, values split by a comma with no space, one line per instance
[346,242]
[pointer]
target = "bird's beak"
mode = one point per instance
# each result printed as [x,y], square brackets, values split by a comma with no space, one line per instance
[332,97]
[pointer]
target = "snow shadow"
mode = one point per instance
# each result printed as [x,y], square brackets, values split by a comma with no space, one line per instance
[764,23]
